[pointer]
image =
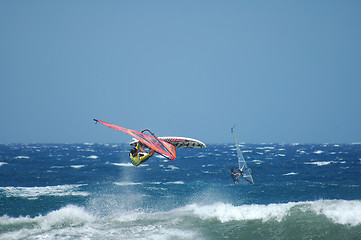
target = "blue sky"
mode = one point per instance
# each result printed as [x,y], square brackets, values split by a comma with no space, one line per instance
[284,71]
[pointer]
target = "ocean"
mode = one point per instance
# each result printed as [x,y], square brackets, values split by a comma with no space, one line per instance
[91,191]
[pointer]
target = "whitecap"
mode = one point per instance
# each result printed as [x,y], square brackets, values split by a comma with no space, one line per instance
[35,192]
[227,212]
[280,155]
[175,182]
[156,183]
[258,162]
[319,163]
[57,167]
[169,167]
[301,151]
[70,215]
[93,157]
[127,183]
[340,211]
[77,166]
[290,174]
[2,163]
[208,165]
[318,152]
[22,157]
[265,148]
[247,151]
[51,226]
[128,164]
[343,212]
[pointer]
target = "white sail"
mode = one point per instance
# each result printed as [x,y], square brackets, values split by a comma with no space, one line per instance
[242,165]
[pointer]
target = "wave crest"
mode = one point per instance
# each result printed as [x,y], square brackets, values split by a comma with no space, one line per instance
[338,211]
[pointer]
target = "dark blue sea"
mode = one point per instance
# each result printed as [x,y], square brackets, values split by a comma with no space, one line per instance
[91,191]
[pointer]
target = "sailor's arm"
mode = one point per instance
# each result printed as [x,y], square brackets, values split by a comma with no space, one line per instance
[139,147]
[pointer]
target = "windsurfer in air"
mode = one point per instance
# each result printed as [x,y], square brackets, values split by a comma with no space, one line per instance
[235,176]
[137,157]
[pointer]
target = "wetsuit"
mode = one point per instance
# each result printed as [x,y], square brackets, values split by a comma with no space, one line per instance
[235,177]
[140,158]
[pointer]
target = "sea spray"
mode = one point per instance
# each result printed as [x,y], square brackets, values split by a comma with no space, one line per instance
[58,192]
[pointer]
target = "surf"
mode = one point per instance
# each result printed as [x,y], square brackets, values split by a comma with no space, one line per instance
[191,221]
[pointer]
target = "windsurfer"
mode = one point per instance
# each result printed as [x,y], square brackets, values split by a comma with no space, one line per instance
[235,175]
[137,157]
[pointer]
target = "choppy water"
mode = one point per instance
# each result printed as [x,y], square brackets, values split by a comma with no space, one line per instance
[91,191]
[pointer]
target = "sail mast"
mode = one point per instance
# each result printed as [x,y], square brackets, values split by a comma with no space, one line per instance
[242,165]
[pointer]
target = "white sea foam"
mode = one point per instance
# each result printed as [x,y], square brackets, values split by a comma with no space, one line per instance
[227,212]
[319,163]
[70,215]
[70,221]
[169,167]
[290,174]
[339,211]
[22,157]
[35,192]
[55,167]
[2,163]
[208,165]
[265,148]
[247,151]
[153,183]
[77,166]
[127,183]
[73,222]
[280,155]
[156,183]
[175,182]
[128,164]
[318,152]
[93,157]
